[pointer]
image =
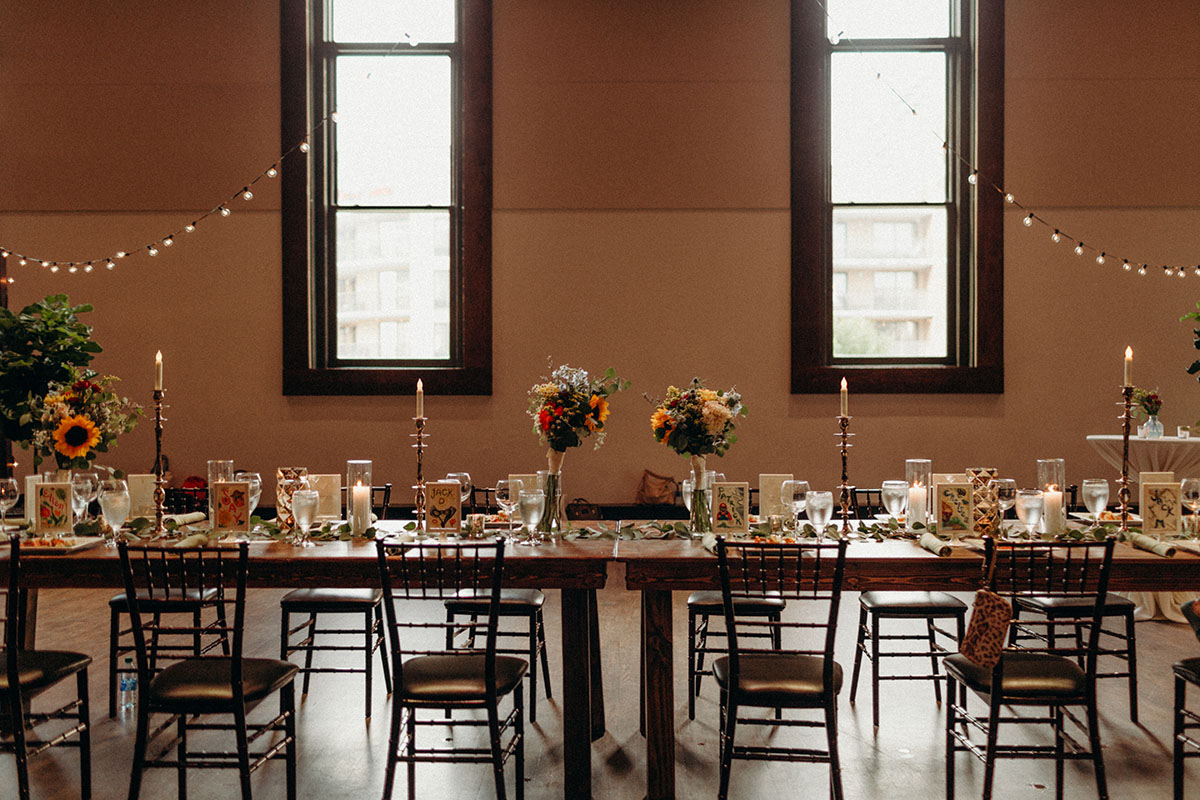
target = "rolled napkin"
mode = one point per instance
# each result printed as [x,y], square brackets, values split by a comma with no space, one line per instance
[194,540]
[1189,547]
[935,545]
[1143,542]
[185,519]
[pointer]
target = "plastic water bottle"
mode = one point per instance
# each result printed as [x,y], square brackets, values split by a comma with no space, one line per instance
[128,689]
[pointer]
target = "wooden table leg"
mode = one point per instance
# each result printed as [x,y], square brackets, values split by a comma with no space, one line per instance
[577,695]
[597,672]
[659,696]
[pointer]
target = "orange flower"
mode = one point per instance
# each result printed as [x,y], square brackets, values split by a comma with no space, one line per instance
[75,436]
[599,412]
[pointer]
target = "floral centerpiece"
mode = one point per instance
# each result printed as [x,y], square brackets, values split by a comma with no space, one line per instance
[697,422]
[81,418]
[1148,405]
[567,408]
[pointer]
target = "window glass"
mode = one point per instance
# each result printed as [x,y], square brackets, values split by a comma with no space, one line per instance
[887,19]
[409,21]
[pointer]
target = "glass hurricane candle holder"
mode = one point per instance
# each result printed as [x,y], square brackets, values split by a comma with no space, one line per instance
[358,495]
[1052,480]
[918,474]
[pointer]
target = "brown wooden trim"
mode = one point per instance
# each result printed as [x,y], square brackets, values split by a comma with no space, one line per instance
[306,321]
[980,353]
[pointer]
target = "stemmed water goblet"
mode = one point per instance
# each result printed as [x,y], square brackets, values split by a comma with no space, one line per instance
[114,506]
[1005,492]
[820,510]
[1095,496]
[532,505]
[1189,492]
[465,485]
[508,497]
[304,508]
[254,495]
[10,492]
[894,495]
[85,485]
[1030,503]
[794,496]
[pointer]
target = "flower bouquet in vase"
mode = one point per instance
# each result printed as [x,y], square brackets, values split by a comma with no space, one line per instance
[79,419]
[1148,405]
[696,422]
[567,408]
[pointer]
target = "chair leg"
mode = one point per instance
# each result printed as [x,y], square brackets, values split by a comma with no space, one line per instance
[858,652]
[283,634]
[139,751]
[389,778]
[831,733]
[181,756]
[1177,758]
[196,644]
[875,670]
[533,673]
[243,751]
[369,634]
[1014,632]
[519,753]
[727,734]
[950,714]
[16,718]
[383,649]
[412,754]
[993,735]
[933,660]
[287,705]
[223,624]
[541,634]
[493,719]
[85,735]
[114,632]
[693,678]
[702,624]
[1058,753]
[1131,644]
[1097,753]
[311,636]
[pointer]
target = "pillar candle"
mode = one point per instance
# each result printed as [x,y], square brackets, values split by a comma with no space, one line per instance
[1052,512]
[158,371]
[360,508]
[916,504]
[420,398]
[1129,366]
[845,397]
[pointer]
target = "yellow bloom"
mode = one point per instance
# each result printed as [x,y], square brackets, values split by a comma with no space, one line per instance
[599,412]
[661,419]
[547,389]
[75,436]
[707,394]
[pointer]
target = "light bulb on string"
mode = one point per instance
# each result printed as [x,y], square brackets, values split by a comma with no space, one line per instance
[152,250]
[1100,258]
[1142,269]
[1168,271]
[247,194]
[1079,249]
[23,262]
[3,254]
[109,264]
[1056,237]
[45,263]
[272,172]
[88,268]
[1126,265]
[225,212]
[54,268]
[72,269]
[1028,220]
[1182,273]
[304,146]
[190,228]
[167,242]
[121,254]
[1008,198]
[973,178]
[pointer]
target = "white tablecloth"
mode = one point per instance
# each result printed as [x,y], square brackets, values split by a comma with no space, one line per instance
[1168,454]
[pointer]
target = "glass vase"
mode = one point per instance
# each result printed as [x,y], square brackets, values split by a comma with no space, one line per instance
[1051,479]
[1154,428]
[700,520]
[918,474]
[550,483]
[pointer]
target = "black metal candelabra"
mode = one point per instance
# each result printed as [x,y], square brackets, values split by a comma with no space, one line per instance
[844,445]
[1123,493]
[419,486]
[160,481]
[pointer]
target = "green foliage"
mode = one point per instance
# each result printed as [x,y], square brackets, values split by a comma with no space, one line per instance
[41,344]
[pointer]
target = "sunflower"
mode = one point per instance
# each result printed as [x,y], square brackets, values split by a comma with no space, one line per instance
[599,413]
[75,436]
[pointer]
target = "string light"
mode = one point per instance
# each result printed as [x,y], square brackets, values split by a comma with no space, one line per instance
[225,212]
[247,194]
[1056,237]
[973,178]
[153,250]
[272,172]
[167,242]
[1100,258]
[1079,249]
[189,228]
[1127,266]
[1008,198]
[1028,220]
[1142,269]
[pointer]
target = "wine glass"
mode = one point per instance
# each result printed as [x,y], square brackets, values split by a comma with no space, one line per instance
[508,496]
[304,507]
[254,495]
[1005,491]
[85,485]
[532,504]
[895,497]
[10,492]
[1030,503]
[1189,491]
[820,510]
[1095,496]
[794,495]
[114,505]
[465,485]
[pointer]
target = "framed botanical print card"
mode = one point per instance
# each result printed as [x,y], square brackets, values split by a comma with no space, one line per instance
[731,507]
[953,506]
[1161,507]
[231,507]
[54,508]
[1145,478]
[443,507]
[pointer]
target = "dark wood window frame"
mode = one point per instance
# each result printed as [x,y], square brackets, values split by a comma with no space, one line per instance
[976,362]
[308,312]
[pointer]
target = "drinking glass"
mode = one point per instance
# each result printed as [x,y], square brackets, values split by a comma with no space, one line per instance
[255,494]
[508,496]
[794,495]
[114,505]
[1189,491]
[1005,491]
[9,494]
[532,505]
[464,481]
[304,507]
[1029,508]
[218,470]
[895,497]
[820,510]
[1095,496]
[85,485]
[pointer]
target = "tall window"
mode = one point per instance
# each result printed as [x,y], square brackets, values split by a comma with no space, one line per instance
[896,252]
[387,228]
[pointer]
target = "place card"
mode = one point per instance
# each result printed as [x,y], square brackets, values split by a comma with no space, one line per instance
[769,502]
[953,507]
[731,508]
[329,494]
[231,507]
[141,496]
[54,508]
[443,506]
[1161,508]
[1144,478]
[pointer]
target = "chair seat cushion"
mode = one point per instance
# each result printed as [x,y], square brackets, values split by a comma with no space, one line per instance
[184,601]
[332,600]
[513,602]
[205,685]
[1114,605]
[456,678]
[710,602]
[777,679]
[1189,669]
[1025,675]
[39,669]
[912,604]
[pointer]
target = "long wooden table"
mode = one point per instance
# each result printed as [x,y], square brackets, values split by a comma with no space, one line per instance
[578,569]
[658,568]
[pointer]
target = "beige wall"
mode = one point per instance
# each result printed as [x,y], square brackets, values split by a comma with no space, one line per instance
[641,221]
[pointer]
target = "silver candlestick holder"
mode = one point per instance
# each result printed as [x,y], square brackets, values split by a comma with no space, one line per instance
[160,481]
[419,487]
[1123,494]
[844,445]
